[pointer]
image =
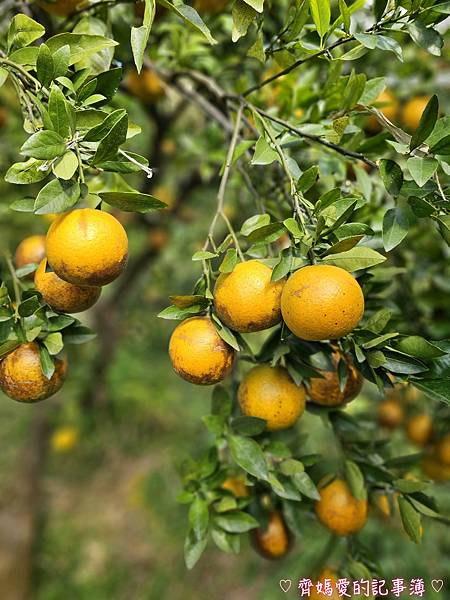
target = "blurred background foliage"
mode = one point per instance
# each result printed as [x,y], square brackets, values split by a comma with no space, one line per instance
[90,478]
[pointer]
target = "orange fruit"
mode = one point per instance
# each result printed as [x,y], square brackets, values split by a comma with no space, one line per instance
[236,485]
[383,504]
[275,540]
[419,429]
[325,390]
[390,413]
[210,6]
[412,111]
[339,510]
[434,469]
[246,299]
[146,85]
[21,376]
[386,103]
[61,8]
[198,353]
[87,247]
[321,302]
[328,580]
[31,250]
[269,393]
[64,439]
[61,295]
[443,450]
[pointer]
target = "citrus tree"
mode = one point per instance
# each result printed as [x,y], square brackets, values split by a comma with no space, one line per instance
[328,274]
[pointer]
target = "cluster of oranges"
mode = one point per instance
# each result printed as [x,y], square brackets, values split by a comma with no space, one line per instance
[84,250]
[318,302]
[400,409]
[408,113]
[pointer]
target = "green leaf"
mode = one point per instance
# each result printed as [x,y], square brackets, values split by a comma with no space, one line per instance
[410,519]
[248,425]
[436,389]
[391,175]
[305,485]
[199,517]
[110,144]
[203,255]
[395,227]
[229,262]
[258,5]
[47,364]
[243,16]
[422,169]
[132,201]
[59,112]
[308,179]
[415,345]
[427,123]
[82,46]
[57,196]
[177,314]
[321,14]
[355,259]
[193,549]
[236,522]
[78,334]
[23,31]
[264,153]
[23,173]
[378,320]
[23,205]
[248,455]
[254,223]
[54,343]
[227,542]
[345,14]
[140,35]
[191,16]
[268,234]
[66,166]
[442,146]
[61,59]
[45,69]
[355,480]
[426,37]
[409,486]
[44,145]
[402,363]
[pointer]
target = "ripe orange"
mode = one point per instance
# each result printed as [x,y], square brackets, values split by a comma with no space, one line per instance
[443,450]
[390,413]
[21,376]
[61,295]
[326,391]
[419,429]
[146,85]
[198,353]
[321,302]
[246,299]
[274,541]
[64,439]
[236,485]
[412,111]
[210,6]
[328,579]
[435,469]
[383,504]
[269,393]
[31,250]
[87,247]
[386,103]
[339,510]
[61,8]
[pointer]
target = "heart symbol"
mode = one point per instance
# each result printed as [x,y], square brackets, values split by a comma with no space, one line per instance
[285,585]
[436,584]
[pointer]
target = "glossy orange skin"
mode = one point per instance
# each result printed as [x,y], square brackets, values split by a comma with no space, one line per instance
[339,511]
[198,353]
[322,302]
[412,111]
[246,300]
[269,393]
[443,450]
[325,391]
[274,541]
[31,250]
[333,579]
[61,8]
[21,376]
[87,247]
[390,413]
[419,429]
[61,295]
